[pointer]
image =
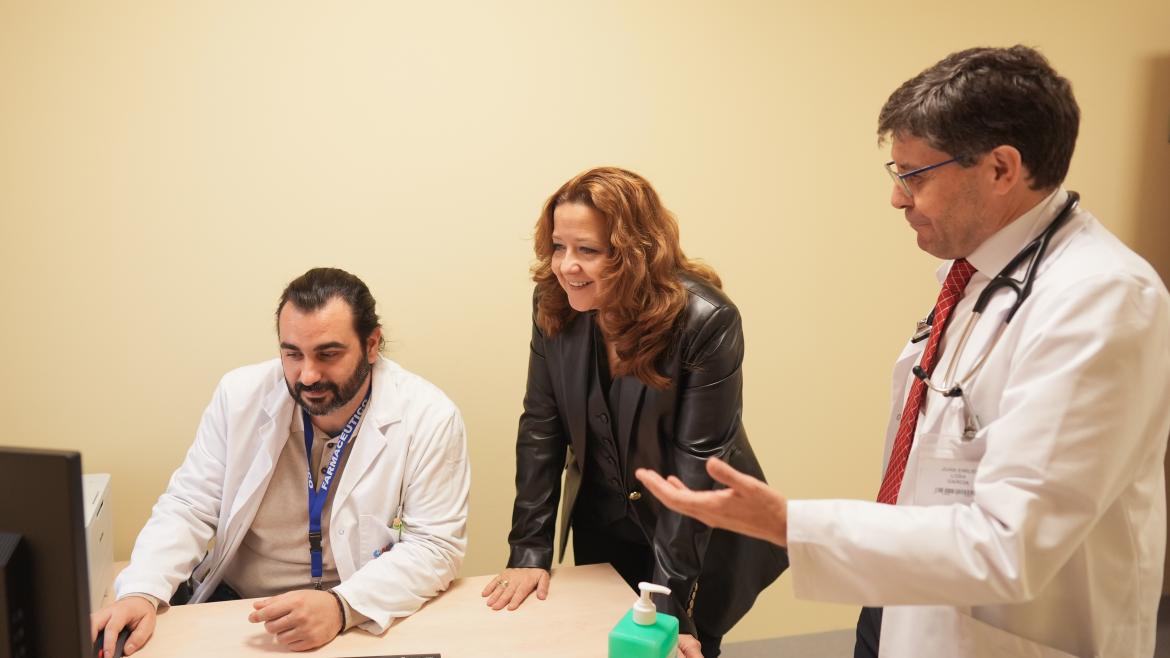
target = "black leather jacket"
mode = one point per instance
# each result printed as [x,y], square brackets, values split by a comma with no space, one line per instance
[714,576]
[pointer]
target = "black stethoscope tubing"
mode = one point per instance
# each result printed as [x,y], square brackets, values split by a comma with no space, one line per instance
[1035,250]
[1033,253]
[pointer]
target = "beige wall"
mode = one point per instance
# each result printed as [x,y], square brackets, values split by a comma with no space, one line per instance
[166,167]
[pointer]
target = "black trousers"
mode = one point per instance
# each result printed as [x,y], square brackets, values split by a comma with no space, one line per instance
[869,629]
[223,592]
[623,545]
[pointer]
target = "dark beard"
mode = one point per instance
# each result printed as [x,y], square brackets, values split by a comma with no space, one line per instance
[341,396]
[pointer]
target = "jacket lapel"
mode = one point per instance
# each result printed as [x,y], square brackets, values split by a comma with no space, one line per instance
[633,392]
[384,411]
[274,433]
[575,346]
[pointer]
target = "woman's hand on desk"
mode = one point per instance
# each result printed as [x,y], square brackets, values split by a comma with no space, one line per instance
[300,620]
[130,611]
[512,586]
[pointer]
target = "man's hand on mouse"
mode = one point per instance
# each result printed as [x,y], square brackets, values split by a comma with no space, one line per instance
[300,620]
[134,611]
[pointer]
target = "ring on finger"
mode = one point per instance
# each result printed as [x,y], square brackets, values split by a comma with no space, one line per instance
[503,582]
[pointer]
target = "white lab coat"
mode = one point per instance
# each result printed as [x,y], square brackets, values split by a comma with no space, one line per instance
[411,447]
[1056,548]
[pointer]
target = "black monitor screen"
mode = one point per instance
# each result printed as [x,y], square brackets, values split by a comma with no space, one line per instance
[41,500]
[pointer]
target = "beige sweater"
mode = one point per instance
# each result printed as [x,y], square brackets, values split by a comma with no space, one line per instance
[274,556]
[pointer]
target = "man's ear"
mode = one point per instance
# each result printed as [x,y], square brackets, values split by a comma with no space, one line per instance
[1008,167]
[372,344]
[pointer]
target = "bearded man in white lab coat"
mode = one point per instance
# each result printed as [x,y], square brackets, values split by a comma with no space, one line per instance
[1024,454]
[386,457]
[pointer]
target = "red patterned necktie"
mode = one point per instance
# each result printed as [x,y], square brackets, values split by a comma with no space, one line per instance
[950,294]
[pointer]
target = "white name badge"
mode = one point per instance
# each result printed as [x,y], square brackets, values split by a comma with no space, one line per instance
[945,481]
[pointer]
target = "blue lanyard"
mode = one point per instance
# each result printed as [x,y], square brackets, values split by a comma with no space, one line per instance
[317,496]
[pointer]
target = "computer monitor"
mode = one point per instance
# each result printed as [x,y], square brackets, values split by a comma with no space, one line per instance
[41,501]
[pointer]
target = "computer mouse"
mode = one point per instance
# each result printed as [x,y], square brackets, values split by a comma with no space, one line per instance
[118,646]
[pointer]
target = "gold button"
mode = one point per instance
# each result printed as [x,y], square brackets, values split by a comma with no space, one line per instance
[635,495]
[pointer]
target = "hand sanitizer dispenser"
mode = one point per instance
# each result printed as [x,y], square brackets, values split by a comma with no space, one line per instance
[644,632]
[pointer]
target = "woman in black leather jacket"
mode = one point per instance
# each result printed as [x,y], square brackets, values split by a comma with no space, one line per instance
[635,363]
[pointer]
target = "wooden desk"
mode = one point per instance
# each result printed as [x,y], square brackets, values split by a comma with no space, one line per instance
[583,605]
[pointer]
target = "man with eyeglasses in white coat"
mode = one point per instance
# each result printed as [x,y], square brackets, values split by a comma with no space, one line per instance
[1023,468]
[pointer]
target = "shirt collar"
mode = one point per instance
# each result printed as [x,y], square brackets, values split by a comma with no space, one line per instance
[297,426]
[997,251]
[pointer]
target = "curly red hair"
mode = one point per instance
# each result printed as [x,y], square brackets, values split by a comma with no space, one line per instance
[642,294]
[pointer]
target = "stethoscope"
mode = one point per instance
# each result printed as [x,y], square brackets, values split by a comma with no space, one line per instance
[1033,253]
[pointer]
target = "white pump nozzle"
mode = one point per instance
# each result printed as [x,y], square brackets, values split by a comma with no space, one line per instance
[645,614]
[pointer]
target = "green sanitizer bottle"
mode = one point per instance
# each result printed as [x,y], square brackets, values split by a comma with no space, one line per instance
[644,632]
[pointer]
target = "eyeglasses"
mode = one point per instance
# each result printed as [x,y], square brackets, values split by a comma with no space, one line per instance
[900,179]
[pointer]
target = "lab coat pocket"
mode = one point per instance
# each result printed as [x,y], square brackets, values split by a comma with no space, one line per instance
[956,445]
[375,537]
[978,638]
[945,470]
